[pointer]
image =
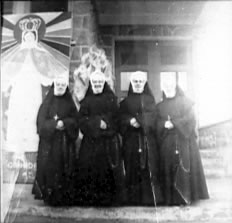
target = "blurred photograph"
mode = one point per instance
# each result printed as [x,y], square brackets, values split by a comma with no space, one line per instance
[116,111]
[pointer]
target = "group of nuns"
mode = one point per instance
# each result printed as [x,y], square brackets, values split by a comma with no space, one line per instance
[137,153]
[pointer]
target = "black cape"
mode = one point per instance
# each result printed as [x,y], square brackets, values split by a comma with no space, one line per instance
[139,148]
[96,179]
[56,152]
[181,170]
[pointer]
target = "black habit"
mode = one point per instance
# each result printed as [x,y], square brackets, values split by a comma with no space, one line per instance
[182,175]
[139,148]
[96,181]
[56,152]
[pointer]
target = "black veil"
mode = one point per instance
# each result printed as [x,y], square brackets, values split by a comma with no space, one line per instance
[179,93]
[106,90]
[146,91]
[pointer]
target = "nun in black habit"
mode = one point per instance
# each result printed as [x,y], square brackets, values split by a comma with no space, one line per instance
[96,182]
[137,125]
[181,171]
[57,126]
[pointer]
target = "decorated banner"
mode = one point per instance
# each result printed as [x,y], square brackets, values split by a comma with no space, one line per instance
[35,49]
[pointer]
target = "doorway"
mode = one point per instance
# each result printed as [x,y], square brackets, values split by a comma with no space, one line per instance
[155,58]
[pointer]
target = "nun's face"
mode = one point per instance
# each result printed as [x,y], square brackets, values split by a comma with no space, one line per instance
[138,84]
[169,87]
[60,87]
[97,83]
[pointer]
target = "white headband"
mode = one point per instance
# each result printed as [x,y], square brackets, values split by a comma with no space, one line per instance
[139,75]
[64,77]
[97,75]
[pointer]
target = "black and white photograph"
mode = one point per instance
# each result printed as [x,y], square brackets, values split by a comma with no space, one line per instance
[116,111]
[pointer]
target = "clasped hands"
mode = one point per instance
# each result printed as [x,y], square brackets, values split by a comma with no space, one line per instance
[103,124]
[134,123]
[168,124]
[60,125]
